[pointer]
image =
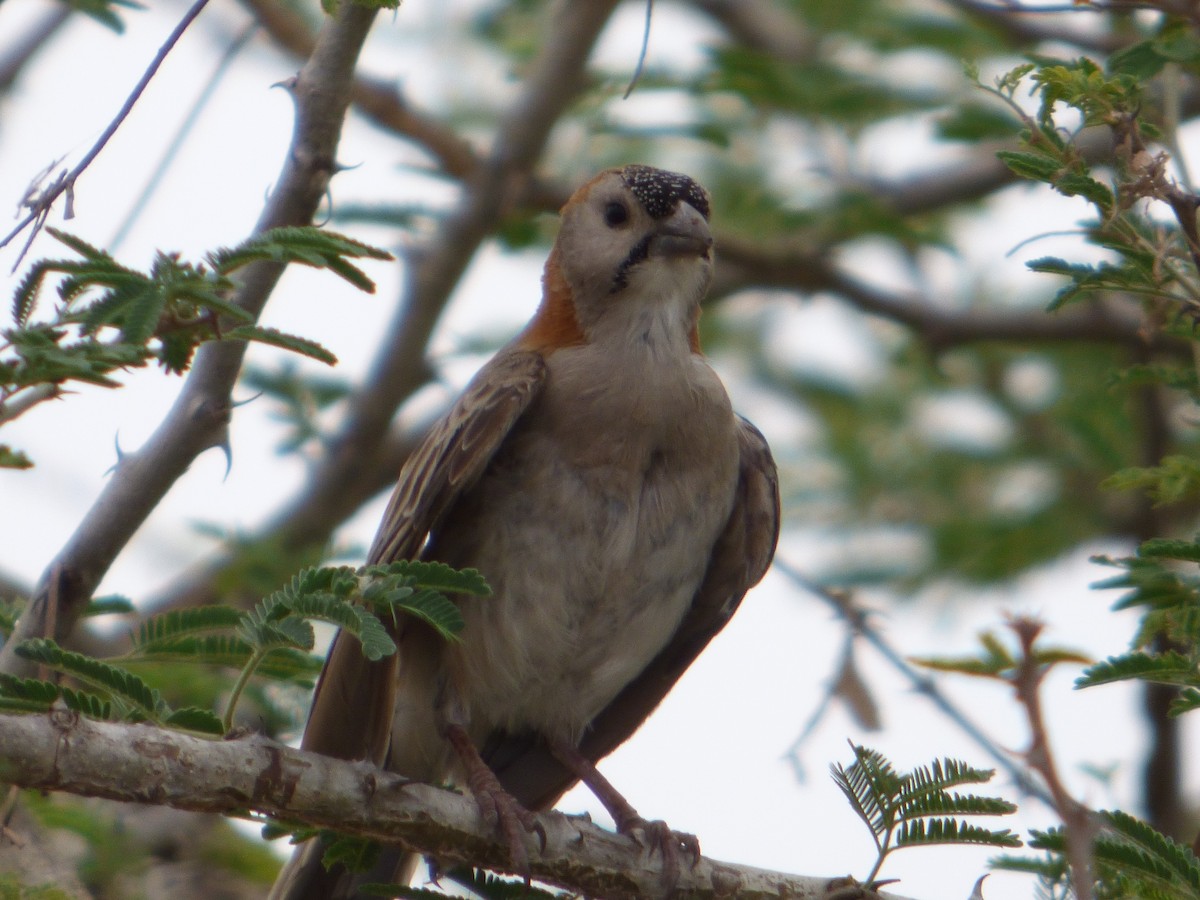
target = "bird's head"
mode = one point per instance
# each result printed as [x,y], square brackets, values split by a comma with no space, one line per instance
[634,240]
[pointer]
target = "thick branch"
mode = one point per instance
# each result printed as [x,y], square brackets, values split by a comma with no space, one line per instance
[200,416]
[252,774]
[28,45]
[745,265]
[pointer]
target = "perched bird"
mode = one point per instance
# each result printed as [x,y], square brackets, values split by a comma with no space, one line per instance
[596,475]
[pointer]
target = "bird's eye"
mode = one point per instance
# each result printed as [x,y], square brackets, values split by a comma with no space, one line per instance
[616,214]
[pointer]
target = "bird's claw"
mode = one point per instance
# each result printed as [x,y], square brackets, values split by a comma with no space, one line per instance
[501,811]
[658,837]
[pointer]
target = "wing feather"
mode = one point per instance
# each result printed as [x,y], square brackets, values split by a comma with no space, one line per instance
[740,557]
[456,452]
[352,706]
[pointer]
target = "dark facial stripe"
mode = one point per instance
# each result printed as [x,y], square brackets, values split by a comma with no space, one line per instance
[639,253]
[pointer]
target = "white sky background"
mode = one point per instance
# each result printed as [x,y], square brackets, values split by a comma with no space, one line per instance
[711,760]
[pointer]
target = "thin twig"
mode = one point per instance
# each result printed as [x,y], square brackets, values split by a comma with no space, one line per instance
[637,72]
[181,134]
[857,619]
[65,183]
[1078,820]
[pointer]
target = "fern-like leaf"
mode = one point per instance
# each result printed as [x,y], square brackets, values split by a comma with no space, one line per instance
[924,832]
[168,627]
[1165,668]
[274,338]
[945,803]
[871,785]
[26,694]
[305,245]
[437,610]
[118,682]
[1169,856]
[87,703]
[365,626]
[435,575]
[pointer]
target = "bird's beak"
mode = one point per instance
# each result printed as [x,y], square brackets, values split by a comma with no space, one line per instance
[683,233]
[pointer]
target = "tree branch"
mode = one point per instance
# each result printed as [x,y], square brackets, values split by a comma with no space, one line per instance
[376,99]
[254,775]
[27,45]
[745,265]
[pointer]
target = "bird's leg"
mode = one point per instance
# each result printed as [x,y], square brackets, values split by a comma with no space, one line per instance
[658,835]
[500,810]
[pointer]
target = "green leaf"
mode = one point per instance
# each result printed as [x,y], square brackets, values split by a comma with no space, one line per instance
[1176,478]
[944,803]
[1162,668]
[87,704]
[192,718]
[376,643]
[1177,42]
[112,605]
[230,651]
[26,694]
[13,459]
[1034,166]
[925,832]
[141,313]
[1187,700]
[1140,60]
[275,338]
[120,683]
[177,623]
[436,575]
[305,245]
[104,11]
[436,610]
[1077,184]
[355,853]
[973,122]
[1167,548]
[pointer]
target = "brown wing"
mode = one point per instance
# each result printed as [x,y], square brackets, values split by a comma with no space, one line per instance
[351,712]
[740,558]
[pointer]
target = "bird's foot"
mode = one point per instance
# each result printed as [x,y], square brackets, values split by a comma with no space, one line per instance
[655,836]
[498,808]
[658,837]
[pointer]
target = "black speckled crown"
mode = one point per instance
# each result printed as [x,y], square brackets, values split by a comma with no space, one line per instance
[660,191]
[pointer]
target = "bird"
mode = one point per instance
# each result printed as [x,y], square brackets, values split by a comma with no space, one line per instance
[595,473]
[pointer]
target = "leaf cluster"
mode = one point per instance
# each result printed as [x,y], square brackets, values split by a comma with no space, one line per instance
[110,317]
[273,640]
[1150,259]
[1131,859]
[1160,582]
[919,808]
[996,659]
